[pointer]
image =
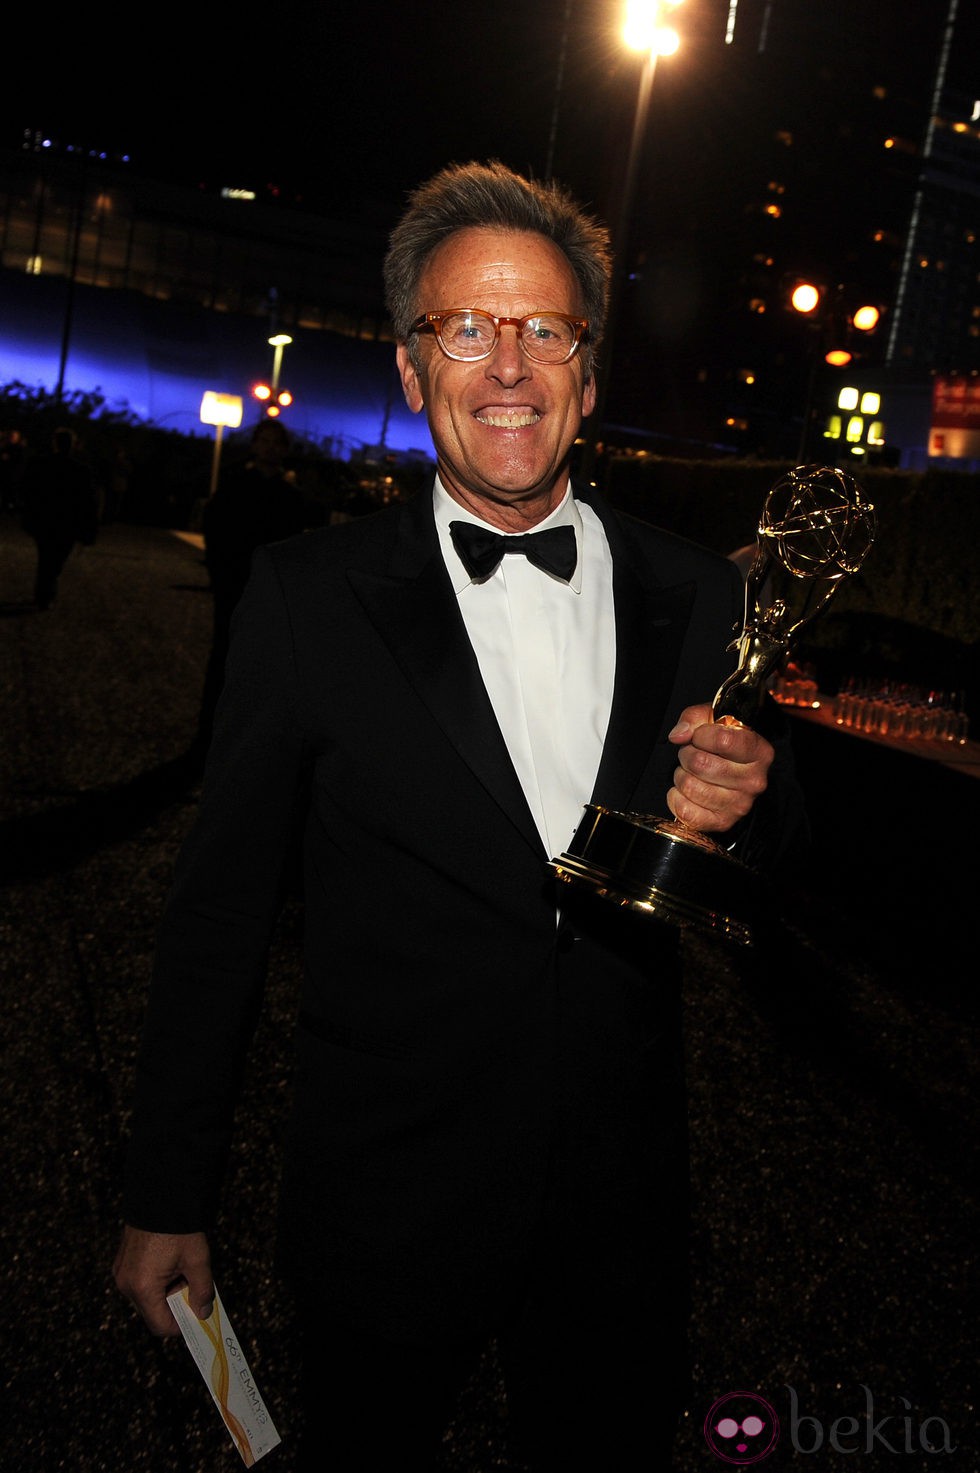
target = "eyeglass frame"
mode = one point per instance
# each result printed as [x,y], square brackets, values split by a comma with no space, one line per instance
[434,321]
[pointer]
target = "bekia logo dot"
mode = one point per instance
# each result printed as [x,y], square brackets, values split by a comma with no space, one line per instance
[741,1428]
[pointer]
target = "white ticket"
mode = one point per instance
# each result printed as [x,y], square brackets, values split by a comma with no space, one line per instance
[221,1361]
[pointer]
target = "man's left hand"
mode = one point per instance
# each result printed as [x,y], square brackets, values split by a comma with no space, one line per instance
[721,771]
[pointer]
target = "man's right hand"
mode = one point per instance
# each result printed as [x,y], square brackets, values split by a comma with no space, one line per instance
[148,1266]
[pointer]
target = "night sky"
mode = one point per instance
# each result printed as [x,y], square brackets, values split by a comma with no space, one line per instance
[346,106]
[344,109]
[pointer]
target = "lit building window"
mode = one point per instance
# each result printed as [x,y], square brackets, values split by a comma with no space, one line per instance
[855,429]
[870,403]
[832,432]
[876,433]
[847,399]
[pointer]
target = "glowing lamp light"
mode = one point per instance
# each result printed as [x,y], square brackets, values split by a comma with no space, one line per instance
[642,31]
[275,400]
[838,357]
[642,28]
[866,319]
[221,409]
[805,298]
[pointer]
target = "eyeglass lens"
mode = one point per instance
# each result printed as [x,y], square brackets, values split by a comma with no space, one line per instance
[548,338]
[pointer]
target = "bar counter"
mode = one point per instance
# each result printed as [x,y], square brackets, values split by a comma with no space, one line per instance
[962,757]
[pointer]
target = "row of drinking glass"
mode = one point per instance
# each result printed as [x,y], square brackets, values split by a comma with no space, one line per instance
[900,710]
[796,687]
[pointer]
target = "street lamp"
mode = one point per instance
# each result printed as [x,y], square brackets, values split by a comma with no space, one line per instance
[270,394]
[643,30]
[834,321]
[219,410]
[278,342]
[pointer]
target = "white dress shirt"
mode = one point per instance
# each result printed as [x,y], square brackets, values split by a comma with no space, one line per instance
[547,654]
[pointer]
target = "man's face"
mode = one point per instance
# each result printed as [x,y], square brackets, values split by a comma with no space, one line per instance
[268,445]
[504,425]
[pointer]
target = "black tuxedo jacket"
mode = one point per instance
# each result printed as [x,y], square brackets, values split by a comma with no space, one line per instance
[467,1065]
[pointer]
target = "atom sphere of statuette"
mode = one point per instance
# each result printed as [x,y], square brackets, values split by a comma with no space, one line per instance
[818,522]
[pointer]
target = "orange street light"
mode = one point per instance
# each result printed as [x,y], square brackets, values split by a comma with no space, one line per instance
[643,30]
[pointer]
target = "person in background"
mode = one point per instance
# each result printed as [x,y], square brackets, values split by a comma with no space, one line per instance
[488,1131]
[12,452]
[252,505]
[60,508]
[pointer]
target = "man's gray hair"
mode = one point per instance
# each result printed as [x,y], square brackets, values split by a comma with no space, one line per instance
[491,196]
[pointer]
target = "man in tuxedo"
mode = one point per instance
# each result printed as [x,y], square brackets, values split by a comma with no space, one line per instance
[488,1127]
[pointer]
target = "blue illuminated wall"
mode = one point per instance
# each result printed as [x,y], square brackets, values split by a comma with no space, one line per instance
[158,358]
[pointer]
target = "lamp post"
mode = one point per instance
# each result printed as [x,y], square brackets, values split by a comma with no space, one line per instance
[643,30]
[280,341]
[270,394]
[833,323]
[219,410]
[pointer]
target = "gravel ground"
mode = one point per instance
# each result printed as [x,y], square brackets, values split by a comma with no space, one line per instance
[833,1082]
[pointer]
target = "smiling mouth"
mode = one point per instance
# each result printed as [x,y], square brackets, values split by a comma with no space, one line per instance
[513,419]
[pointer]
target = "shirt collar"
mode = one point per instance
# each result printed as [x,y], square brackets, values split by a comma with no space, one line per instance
[566,513]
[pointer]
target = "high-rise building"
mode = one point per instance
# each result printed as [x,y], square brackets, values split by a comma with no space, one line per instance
[839,143]
[935,322]
[152,292]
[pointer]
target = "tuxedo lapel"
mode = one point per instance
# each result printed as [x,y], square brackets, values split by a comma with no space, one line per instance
[651,623]
[413,607]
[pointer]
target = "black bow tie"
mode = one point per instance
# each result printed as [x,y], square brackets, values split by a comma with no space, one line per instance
[480,550]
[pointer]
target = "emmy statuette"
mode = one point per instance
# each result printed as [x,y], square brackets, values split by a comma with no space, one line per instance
[816,529]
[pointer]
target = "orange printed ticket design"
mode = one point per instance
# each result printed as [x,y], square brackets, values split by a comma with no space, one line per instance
[221,1361]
